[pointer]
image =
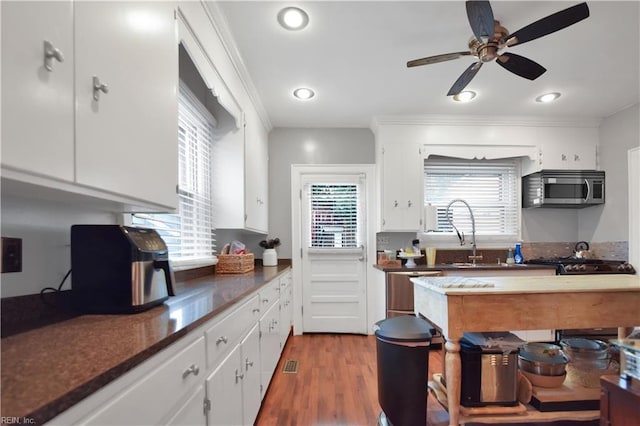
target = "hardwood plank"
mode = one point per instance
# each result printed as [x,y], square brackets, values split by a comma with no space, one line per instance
[336,383]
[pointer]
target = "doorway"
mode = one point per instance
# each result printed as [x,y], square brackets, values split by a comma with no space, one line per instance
[331,230]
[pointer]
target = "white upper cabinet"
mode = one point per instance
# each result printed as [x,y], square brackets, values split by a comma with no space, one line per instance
[401,183]
[37,102]
[103,121]
[126,133]
[565,148]
[256,174]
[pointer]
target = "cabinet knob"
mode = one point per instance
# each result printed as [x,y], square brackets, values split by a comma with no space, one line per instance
[51,53]
[256,310]
[193,369]
[239,376]
[247,364]
[395,203]
[409,203]
[99,87]
[265,300]
[221,339]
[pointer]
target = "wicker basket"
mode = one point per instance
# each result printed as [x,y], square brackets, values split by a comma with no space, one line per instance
[234,263]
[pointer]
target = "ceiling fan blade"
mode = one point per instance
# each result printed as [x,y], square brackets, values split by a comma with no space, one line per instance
[519,65]
[465,79]
[437,58]
[550,24]
[480,18]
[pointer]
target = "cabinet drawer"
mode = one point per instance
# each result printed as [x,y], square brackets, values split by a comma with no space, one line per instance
[226,333]
[270,294]
[156,393]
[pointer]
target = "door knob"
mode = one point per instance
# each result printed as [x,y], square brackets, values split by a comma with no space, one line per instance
[51,53]
[99,87]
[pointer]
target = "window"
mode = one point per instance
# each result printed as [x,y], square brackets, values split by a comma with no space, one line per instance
[190,233]
[490,187]
[334,215]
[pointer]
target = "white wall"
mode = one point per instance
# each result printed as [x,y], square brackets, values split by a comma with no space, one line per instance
[289,146]
[45,229]
[610,222]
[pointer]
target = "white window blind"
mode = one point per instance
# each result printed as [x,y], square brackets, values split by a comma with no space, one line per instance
[190,233]
[334,215]
[490,187]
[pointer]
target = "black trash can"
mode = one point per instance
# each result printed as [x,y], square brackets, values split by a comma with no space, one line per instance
[402,345]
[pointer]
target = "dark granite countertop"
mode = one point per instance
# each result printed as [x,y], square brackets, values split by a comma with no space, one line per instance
[454,267]
[48,369]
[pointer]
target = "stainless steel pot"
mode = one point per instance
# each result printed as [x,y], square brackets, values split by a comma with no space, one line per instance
[557,367]
[585,349]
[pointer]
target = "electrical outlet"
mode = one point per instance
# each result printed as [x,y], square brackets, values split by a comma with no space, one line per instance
[11,254]
[382,241]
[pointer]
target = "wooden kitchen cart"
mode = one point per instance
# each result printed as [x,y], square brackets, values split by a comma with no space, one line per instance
[619,401]
[524,303]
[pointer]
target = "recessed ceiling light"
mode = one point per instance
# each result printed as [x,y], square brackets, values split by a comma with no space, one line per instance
[548,97]
[303,93]
[293,18]
[465,96]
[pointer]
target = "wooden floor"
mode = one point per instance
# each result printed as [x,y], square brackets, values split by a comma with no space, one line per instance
[335,384]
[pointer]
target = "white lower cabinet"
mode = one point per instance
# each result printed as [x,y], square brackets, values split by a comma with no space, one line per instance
[251,391]
[216,375]
[269,344]
[286,308]
[192,412]
[224,391]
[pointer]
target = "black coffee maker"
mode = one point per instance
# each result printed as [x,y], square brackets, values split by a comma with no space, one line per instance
[119,269]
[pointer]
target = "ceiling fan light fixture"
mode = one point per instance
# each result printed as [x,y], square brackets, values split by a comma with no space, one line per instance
[293,18]
[303,93]
[465,96]
[548,97]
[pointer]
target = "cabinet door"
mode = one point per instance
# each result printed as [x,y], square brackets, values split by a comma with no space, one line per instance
[286,309]
[256,174]
[126,140]
[568,148]
[269,344]
[251,394]
[402,187]
[192,411]
[37,104]
[224,391]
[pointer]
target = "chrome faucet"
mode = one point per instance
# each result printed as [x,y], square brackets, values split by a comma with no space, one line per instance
[460,233]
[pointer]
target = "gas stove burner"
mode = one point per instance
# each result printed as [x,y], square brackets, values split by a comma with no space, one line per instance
[575,266]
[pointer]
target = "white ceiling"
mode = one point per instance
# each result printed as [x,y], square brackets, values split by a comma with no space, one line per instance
[354,54]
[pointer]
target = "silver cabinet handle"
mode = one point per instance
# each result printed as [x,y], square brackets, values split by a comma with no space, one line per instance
[51,53]
[265,300]
[221,339]
[99,87]
[239,376]
[395,203]
[247,364]
[193,369]
[409,204]
[256,310]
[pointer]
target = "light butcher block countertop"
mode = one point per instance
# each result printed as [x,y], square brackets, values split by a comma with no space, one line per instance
[522,303]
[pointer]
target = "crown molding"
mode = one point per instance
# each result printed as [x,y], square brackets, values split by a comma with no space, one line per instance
[221,27]
[480,120]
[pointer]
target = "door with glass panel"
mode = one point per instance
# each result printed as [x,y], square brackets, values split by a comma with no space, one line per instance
[333,253]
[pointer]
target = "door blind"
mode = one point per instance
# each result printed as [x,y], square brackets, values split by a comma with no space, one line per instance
[190,233]
[490,187]
[334,215]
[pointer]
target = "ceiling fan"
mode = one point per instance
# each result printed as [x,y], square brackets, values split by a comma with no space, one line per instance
[490,37]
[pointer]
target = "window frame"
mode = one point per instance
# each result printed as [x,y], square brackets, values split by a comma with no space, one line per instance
[450,239]
[200,261]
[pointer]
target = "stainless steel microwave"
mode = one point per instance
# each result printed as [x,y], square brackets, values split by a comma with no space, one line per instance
[563,188]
